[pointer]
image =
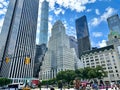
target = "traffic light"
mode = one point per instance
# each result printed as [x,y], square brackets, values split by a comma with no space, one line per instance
[27,60]
[7,59]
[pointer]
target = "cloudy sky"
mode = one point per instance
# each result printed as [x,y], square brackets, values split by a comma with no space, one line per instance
[97,11]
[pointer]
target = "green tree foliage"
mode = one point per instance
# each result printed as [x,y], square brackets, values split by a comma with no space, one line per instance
[83,73]
[5,81]
[49,82]
[100,72]
[91,73]
[66,76]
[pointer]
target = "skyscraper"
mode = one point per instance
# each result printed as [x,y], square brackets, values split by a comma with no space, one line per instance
[18,38]
[60,56]
[114,23]
[73,44]
[82,35]
[39,57]
[43,38]
[114,27]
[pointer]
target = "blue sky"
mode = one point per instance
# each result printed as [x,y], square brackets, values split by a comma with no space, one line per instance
[97,11]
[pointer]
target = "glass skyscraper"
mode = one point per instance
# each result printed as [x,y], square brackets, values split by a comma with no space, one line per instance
[82,35]
[114,23]
[18,38]
[43,38]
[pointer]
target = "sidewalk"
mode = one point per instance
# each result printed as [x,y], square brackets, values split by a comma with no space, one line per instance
[64,89]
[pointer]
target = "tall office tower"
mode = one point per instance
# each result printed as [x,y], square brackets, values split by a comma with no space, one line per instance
[114,23]
[82,35]
[39,57]
[114,27]
[18,39]
[43,38]
[59,56]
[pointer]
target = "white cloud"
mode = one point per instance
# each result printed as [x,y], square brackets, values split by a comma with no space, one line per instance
[95,22]
[1,5]
[65,24]
[3,9]
[99,44]
[102,43]
[97,34]
[88,10]
[108,12]
[4,3]
[1,23]
[97,11]
[58,11]
[78,5]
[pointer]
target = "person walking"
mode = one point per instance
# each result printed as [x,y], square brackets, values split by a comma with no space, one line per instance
[77,84]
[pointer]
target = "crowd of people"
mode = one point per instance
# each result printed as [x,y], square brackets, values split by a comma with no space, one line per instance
[78,85]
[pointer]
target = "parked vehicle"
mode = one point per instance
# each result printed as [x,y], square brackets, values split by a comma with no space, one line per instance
[34,83]
[16,85]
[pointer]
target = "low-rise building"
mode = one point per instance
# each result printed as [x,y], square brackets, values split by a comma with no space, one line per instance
[106,57]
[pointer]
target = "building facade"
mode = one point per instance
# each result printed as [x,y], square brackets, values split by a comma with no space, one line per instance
[114,23]
[73,44]
[107,58]
[39,57]
[43,38]
[60,56]
[82,35]
[18,39]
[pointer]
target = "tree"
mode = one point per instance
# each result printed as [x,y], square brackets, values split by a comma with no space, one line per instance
[85,73]
[66,76]
[100,72]
[79,73]
[91,73]
[70,76]
[5,81]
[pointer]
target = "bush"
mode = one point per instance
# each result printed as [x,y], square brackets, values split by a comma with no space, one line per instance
[5,81]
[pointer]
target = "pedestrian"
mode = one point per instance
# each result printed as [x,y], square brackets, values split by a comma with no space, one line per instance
[60,85]
[52,88]
[77,84]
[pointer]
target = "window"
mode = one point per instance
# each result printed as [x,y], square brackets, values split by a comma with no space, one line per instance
[97,62]
[109,67]
[91,57]
[111,71]
[92,60]
[96,59]
[103,64]
[87,61]
[108,60]
[112,75]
